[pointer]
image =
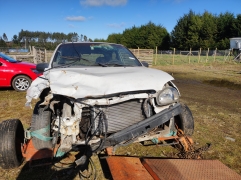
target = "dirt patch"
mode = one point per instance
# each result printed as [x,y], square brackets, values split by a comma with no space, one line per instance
[223,83]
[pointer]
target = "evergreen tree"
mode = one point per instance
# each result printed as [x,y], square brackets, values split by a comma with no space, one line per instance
[237,26]
[2,42]
[5,38]
[114,38]
[15,39]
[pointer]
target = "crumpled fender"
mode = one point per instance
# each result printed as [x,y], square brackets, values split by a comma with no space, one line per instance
[36,88]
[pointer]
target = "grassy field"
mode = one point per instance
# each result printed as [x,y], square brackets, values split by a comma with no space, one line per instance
[212,91]
[177,59]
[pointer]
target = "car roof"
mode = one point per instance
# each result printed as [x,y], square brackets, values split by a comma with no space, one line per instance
[90,43]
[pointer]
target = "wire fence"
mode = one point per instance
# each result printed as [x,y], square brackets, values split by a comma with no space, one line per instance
[165,57]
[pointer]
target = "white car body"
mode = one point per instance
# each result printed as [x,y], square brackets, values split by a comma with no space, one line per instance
[120,101]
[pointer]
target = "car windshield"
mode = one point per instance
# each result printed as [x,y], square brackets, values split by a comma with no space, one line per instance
[7,58]
[94,54]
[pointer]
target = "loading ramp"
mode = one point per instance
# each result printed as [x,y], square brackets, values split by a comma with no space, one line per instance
[134,168]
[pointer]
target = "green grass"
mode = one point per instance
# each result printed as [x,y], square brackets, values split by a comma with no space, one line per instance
[169,59]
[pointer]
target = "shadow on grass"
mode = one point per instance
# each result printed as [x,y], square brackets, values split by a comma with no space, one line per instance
[6,89]
[57,169]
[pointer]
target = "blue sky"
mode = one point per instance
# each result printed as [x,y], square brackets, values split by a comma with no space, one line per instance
[99,18]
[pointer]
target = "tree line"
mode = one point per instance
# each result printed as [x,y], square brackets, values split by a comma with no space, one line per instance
[40,39]
[192,30]
[206,30]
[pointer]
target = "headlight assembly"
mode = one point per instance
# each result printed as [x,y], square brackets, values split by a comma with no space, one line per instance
[167,96]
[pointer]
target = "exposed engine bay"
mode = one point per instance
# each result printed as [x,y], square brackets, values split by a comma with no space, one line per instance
[92,121]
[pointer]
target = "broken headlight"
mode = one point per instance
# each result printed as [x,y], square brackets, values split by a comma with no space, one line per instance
[167,96]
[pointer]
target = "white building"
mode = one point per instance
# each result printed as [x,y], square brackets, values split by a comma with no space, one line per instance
[235,43]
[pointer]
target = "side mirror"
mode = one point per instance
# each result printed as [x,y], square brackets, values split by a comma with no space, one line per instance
[145,63]
[41,66]
[1,64]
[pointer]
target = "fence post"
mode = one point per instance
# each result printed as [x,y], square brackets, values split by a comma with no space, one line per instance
[34,55]
[189,55]
[231,54]
[45,55]
[215,55]
[207,55]
[40,55]
[30,49]
[200,50]
[173,56]
[156,55]
[225,58]
[138,53]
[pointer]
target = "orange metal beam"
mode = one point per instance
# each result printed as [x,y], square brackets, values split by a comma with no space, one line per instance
[30,153]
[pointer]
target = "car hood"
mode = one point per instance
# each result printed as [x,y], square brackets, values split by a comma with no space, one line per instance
[92,82]
[98,82]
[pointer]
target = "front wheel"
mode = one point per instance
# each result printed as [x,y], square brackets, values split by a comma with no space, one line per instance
[21,83]
[185,120]
[41,121]
[11,140]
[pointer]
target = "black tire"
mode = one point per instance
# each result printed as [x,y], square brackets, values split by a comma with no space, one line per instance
[41,119]
[21,83]
[11,140]
[185,120]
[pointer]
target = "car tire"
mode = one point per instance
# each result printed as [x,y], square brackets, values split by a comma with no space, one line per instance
[11,140]
[185,120]
[41,119]
[21,83]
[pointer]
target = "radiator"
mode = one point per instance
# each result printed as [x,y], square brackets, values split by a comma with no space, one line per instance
[122,115]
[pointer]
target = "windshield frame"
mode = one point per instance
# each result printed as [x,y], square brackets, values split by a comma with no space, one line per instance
[85,54]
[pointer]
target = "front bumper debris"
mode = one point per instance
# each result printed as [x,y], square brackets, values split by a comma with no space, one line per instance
[144,126]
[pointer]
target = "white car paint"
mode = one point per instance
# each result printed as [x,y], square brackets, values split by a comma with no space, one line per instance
[98,81]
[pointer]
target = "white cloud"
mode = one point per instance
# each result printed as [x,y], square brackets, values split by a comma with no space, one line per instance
[115,25]
[75,18]
[103,2]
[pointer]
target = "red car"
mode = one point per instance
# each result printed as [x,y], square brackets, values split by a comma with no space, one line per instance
[16,74]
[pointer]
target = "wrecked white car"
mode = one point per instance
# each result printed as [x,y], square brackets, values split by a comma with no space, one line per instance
[100,95]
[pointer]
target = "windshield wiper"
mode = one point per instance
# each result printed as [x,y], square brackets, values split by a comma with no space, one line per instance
[77,58]
[101,64]
[115,64]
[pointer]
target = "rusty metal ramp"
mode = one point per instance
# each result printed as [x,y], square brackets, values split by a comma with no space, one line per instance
[189,169]
[169,169]
[127,168]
